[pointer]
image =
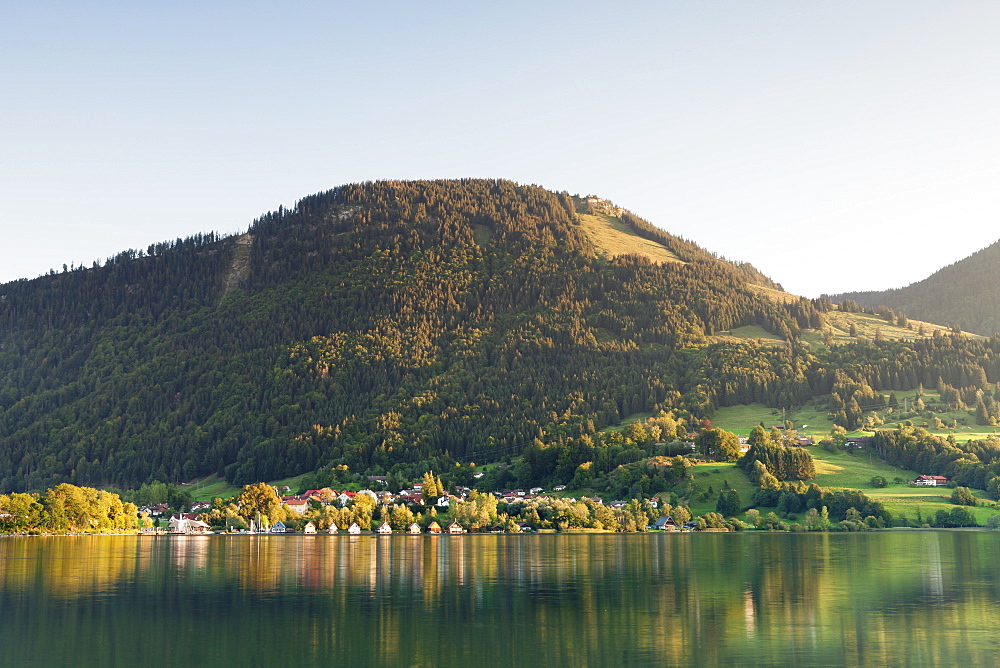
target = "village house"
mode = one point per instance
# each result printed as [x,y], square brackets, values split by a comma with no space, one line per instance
[319,495]
[300,506]
[368,493]
[187,523]
[279,527]
[930,481]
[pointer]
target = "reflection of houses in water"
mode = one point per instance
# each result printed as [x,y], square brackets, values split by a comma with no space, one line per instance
[189,552]
[933,576]
[749,612]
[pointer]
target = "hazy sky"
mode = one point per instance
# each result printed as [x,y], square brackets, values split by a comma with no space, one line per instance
[836,145]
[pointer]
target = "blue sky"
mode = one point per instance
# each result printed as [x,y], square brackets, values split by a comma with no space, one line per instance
[836,146]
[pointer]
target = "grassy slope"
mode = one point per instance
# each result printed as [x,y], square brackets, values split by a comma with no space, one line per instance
[839,324]
[612,238]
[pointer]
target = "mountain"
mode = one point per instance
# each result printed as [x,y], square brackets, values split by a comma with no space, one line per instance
[965,294]
[406,324]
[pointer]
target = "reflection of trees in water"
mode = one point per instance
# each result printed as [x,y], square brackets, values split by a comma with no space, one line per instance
[421,600]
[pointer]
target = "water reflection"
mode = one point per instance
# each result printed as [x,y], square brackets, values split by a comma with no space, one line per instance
[884,598]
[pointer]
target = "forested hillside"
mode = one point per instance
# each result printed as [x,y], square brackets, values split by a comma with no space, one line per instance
[965,294]
[395,322]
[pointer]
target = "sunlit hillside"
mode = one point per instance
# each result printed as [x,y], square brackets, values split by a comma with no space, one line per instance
[612,238]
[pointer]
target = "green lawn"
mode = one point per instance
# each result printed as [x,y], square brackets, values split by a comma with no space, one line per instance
[743,418]
[712,475]
[208,488]
[924,502]
[855,471]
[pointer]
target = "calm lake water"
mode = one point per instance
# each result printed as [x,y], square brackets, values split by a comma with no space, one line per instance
[890,598]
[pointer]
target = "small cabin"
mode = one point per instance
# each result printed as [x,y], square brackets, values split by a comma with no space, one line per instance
[354,529]
[333,528]
[309,528]
[455,527]
[434,527]
[384,528]
[414,529]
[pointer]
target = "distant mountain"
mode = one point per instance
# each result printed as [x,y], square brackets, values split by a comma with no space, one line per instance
[408,324]
[965,294]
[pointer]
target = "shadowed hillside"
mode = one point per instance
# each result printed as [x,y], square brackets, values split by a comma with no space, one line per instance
[965,294]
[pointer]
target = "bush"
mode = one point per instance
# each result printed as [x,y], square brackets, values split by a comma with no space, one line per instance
[962,496]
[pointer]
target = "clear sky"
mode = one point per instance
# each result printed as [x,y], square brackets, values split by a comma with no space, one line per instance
[835,145]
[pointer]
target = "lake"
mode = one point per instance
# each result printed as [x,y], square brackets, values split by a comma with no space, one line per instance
[882,598]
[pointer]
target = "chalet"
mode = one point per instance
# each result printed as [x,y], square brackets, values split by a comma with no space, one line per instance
[617,505]
[354,529]
[653,503]
[931,481]
[333,528]
[158,509]
[344,498]
[379,480]
[596,499]
[434,527]
[455,527]
[309,528]
[414,529]
[200,506]
[384,528]
[535,490]
[523,526]
[443,501]
[665,523]
[857,441]
[497,528]
[279,527]
[558,488]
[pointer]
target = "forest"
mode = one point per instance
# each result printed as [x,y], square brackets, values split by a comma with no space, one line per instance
[964,294]
[409,324]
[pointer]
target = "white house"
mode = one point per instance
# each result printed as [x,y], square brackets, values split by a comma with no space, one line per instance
[187,523]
